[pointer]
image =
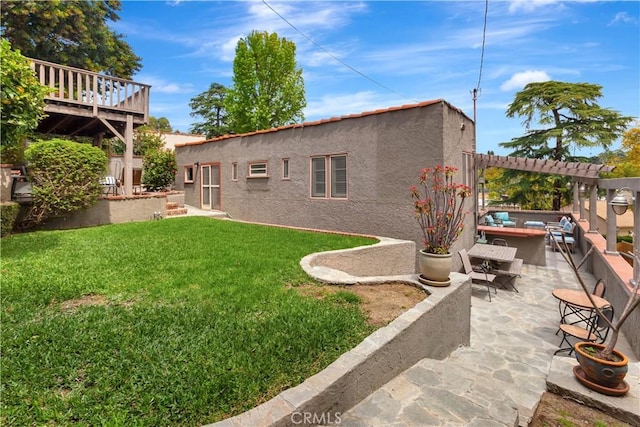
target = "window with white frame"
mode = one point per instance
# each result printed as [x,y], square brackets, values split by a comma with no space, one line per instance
[329,176]
[258,169]
[189,174]
[234,171]
[285,168]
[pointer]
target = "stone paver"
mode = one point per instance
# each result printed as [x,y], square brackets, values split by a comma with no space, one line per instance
[499,378]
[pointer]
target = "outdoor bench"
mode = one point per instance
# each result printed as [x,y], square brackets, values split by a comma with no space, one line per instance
[514,270]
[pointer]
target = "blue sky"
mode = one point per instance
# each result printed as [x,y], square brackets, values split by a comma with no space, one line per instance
[409,52]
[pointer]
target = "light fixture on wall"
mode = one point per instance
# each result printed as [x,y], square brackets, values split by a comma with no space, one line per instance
[582,190]
[196,165]
[620,203]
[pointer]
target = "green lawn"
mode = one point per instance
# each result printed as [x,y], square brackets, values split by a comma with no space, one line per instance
[182,321]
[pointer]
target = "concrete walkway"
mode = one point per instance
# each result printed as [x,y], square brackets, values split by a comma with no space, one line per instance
[499,378]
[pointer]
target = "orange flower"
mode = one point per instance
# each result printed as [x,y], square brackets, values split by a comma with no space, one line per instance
[439,207]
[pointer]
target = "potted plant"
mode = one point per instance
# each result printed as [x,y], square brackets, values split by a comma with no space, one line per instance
[602,367]
[439,209]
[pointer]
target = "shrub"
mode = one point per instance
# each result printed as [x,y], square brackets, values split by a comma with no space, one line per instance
[8,214]
[22,104]
[628,239]
[159,168]
[65,176]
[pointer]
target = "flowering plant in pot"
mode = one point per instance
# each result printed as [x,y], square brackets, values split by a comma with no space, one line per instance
[602,366]
[439,209]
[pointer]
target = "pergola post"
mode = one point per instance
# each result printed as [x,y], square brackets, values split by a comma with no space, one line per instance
[593,209]
[576,197]
[612,224]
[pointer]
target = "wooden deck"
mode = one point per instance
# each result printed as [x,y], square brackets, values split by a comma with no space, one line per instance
[81,100]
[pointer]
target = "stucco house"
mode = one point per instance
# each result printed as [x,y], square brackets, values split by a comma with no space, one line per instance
[349,174]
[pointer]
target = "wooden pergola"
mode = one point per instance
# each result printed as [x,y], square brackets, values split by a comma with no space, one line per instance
[84,103]
[586,179]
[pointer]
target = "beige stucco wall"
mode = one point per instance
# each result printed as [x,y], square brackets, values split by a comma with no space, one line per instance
[385,154]
[114,210]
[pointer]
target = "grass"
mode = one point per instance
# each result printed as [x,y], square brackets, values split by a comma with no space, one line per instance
[177,322]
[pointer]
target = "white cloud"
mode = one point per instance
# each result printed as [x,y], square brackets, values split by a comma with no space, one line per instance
[528,5]
[160,85]
[624,18]
[520,80]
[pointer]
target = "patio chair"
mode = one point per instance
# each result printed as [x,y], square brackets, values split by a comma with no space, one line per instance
[109,185]
[582,313]
[503,218]
[488,220]
[478,273]
[596,331]
[499,242]
[137,181]
[556,237]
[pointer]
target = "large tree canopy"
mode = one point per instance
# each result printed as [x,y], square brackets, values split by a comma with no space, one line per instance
[568,116]
[73,33]
[268,89]
[210,106]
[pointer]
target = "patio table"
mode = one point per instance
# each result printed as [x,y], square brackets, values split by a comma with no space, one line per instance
[503,261]
[493,252]
[576,302]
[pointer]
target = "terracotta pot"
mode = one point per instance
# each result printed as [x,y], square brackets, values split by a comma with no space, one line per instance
[601,372]
[435,268]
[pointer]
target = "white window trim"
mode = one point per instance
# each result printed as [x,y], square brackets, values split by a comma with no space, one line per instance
[186,174]
[264,174]
[234,171]
[286,174]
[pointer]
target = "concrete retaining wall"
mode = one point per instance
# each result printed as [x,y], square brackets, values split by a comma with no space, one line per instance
[431,329]
[616,272]
[114,210]
[389,257]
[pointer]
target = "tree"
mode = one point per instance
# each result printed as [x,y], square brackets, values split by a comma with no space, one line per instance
[210,106]
[160,124]
[627,158]
[74,33]
[268,87]
[160,169]
[569,117]
[22,102]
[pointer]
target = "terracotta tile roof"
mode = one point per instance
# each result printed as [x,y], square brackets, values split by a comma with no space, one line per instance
[323,121]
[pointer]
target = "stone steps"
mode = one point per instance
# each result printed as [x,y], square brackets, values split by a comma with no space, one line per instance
[173,208]
[176,211]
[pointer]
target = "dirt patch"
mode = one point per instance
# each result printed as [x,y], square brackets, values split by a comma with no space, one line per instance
[382,302]
[84,301]
[555,411]
[72,305]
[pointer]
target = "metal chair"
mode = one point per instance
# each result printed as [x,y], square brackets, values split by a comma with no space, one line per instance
[477,273]
[582,314]
[597,331]
[109,185]
[499,242]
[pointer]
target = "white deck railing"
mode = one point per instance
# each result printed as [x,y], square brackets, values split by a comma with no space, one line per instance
[86,88]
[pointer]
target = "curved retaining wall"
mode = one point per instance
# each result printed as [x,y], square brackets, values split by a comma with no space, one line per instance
[431,329]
